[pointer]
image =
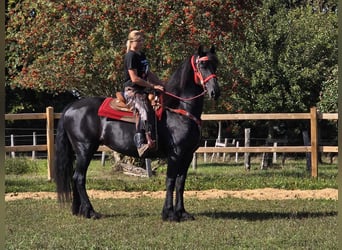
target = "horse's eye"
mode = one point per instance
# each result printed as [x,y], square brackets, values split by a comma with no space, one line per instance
[203,64]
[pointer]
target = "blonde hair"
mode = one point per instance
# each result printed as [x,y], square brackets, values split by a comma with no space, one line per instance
[133,36]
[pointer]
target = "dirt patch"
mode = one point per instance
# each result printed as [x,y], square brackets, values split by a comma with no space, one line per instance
[253,194]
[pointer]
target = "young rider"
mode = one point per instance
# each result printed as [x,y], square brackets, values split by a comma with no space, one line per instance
[138,77]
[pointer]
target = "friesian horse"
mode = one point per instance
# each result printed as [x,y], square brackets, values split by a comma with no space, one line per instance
[81,131]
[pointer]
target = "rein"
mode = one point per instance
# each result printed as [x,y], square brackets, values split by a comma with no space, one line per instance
[198,78]
[185,99]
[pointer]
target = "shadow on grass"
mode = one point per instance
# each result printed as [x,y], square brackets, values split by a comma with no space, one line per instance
[234,215]
[260,216]
[118,215]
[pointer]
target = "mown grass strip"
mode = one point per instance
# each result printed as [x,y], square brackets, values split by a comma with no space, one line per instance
[136,224]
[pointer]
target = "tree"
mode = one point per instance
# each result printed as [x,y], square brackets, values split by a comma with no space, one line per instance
[286,55]
[329,94]
[57,46]
[274,56]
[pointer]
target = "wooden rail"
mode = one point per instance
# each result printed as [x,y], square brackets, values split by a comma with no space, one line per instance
[313,116]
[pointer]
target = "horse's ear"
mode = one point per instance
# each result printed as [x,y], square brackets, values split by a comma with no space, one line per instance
[212,49]
[200,51]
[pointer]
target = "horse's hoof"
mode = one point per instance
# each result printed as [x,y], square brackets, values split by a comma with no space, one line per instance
[89,213]
[170,216]
[94,215]
[186,216]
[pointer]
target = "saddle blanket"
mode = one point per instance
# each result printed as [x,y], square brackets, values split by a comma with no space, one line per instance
[110,108]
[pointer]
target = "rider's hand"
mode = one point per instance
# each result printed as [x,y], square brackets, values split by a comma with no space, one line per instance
[158,87]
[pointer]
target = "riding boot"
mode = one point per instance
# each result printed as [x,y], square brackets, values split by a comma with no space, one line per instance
[139,140]
[151,143]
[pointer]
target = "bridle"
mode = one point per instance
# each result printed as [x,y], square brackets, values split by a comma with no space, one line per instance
[198,78]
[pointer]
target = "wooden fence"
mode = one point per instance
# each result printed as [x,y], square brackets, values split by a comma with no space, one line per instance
[313,116]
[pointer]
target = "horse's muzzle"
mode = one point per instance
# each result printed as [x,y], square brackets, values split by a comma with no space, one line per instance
[213,90]
[215,95]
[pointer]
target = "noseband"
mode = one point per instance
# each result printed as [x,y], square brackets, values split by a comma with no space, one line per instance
[198,77]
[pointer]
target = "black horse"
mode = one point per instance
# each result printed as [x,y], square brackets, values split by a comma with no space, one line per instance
[81,131]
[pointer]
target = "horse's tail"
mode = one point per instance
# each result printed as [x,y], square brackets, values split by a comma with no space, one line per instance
[64,158]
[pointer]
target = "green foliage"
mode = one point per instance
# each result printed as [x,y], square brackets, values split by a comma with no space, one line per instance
[276,56]
[329,94]
[286,55]
[59,46]
[20,165]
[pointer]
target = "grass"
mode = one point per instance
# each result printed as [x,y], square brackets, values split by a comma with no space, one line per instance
[136,224]
[207,176]
[223,223]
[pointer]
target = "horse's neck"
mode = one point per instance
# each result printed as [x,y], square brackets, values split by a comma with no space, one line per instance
[188,92]
[194,106]
[189,99]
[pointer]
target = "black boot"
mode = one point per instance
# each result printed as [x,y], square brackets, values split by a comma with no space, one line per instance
[140,143]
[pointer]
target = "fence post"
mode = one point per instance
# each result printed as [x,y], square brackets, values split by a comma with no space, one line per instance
[314,142]
[247,144]
[237,154]
[275,144]
[306,140]
[50,141]
[219,131]
[225,145]
[194,161]
[34,144]
[148,167]
[205,154]
[12,145]
[103,158]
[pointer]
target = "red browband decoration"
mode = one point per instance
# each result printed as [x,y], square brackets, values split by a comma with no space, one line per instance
[198,78]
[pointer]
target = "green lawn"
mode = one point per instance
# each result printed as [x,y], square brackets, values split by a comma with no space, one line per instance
[222,223]
[227,176]
[136,224]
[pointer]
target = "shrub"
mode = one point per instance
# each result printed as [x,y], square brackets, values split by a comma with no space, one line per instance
[20,165]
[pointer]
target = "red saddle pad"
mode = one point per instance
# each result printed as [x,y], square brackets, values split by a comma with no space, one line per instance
[107,111]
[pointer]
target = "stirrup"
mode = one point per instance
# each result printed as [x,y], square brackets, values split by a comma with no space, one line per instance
[143,149]
[151,144]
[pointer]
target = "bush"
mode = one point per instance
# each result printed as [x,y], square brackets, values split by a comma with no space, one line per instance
[20,165]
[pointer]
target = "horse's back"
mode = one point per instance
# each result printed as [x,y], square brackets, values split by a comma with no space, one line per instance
[92,103]
[81,121]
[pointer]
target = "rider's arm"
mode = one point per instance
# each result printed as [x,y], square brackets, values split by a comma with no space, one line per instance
[141,82]
[138,80]
[154,79]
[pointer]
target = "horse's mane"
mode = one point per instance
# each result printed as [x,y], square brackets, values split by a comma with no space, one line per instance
[180,77]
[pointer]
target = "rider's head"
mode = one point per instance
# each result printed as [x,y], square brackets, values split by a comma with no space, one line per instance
[135,37]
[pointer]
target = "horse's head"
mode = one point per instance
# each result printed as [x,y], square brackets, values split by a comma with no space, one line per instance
[204,64]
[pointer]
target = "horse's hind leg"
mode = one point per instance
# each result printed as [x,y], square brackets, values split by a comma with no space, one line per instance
[81,203]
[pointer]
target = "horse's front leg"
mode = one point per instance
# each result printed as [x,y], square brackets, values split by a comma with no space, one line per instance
[168,210]
[179,208]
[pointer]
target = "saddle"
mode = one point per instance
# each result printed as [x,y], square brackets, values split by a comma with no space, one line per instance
[117,109]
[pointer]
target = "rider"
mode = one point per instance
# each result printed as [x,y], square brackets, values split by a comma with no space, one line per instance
[139,77]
